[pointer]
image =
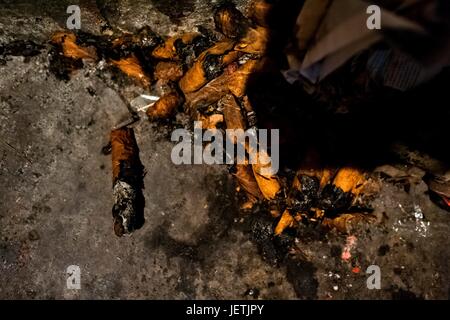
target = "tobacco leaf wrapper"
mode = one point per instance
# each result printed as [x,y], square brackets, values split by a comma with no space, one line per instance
[127,182]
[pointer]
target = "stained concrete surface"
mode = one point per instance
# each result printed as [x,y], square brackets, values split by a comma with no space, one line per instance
[55,197]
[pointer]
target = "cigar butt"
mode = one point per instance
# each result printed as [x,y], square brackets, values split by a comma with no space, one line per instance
[165,106]
[127,182]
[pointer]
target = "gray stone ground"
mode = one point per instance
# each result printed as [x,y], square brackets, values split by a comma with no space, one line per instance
[55,197]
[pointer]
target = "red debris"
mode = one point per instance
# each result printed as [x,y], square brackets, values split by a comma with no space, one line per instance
[349,245]
[356,270]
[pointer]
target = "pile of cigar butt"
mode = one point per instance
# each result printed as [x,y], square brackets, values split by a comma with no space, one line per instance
[206,75]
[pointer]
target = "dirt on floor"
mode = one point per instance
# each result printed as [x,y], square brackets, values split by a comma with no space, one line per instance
[56,194]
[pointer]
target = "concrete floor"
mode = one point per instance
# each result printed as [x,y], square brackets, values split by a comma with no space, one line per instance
[55,199]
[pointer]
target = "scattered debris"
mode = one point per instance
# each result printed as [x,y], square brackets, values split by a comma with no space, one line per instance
[350,244]
[24,48]
[253,292]
[356,270]
[421,225]
[415,218]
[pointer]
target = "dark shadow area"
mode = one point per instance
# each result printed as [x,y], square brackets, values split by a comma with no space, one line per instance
[360,124]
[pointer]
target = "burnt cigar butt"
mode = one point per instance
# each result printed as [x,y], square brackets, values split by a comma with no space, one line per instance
[346,222]
[212,92]
[67,42]
[169,49]
[230,21]
[125,154]
[127,182]
[246,180]
[208,66]
[165,106]
[132,67]
[211,122]
[345,187]
[209,94]
[194,79]
[304,193]
[168,71]
[144,41]
[267,181]
[239,79]
[232,112]
[349,179]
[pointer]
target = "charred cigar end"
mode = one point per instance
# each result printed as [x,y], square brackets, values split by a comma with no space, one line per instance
[270,248]
[127,209]
[334,198]
[304,198]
